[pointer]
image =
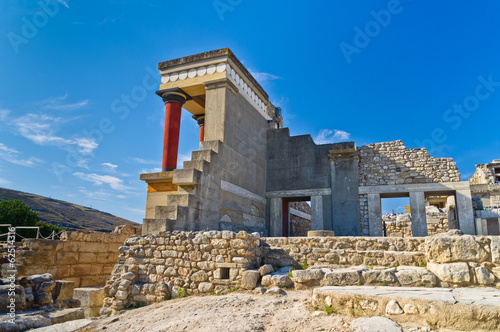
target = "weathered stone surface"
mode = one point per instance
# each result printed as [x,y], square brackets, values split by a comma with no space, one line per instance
[415,276]
[379,276]
[304,276]
[266,269]
[456,273]
[448,249]
[64,290]
[483,276]
[5,299]
[249,279]
[128,276]
[199,276]
[275,291]
[341,277]
[393,308]
[90,296]
[205,287]
[374,324]
[495,249]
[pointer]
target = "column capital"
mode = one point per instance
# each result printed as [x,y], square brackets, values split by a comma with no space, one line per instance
[200,119]
[175,95]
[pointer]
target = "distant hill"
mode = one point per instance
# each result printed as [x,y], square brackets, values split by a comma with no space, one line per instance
[71,217]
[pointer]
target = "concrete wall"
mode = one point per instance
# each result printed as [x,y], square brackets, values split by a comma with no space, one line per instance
[86,258]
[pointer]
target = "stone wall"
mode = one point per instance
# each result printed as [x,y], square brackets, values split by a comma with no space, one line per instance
[86,258]
[363,215]
[300,226]
[437,222]
[154,267]
[392,163]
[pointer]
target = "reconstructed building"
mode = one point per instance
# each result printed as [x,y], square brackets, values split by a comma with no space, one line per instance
[485,187]
[249,168]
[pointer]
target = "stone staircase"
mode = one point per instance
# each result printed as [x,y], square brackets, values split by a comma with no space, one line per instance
[182,209]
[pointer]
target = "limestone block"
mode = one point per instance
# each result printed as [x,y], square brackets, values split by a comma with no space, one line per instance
[303,276]
[67,258]
[128,276]
[456,273]
[483,276]
[341,277]
[64,290]
[496,272]
[199,276]
[89,296]
[267,280]
[415,276]
[92,312]
[121,295]
[249,279]
[266,269]
[47,286]
[87,257]
[447,249]
[374,324]
[205,287]
[393,308]
[42,298]
[495,249]
[379,276]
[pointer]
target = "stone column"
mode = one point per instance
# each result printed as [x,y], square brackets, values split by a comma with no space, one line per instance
[276,218]
[173,99]
[317,219]
[465,212]
[418,217]
[375,215]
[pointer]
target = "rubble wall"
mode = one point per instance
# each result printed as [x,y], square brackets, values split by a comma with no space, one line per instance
[86,258]
[390,163]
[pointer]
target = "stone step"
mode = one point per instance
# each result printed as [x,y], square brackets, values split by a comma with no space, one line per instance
[189,176]
[172,212]
[201,165]
[183,200]
[441,308]
[203,155]
[211,145]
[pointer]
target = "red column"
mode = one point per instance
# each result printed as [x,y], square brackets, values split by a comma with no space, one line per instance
[201,122]
[171,135]
[202,133]
[174,99]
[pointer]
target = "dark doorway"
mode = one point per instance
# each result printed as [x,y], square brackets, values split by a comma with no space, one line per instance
[287,228]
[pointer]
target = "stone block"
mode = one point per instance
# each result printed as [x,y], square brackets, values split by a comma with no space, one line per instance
[71,246]
[42,244]
[265,269]
[304,276]
[87,257]
[448,249]
[67,258]
[64,290]
[93,281]
[89,296]
[379,276]
[374,324]
[483,276]
[456,273]
[415,276]
[86,269]
[341,277]
[495,249]
[76,280]
[205,287]
[249,279]
[92,312]
[94,247]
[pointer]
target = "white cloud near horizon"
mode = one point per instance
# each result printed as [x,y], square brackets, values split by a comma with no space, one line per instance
[98,180]
[41,130]
[144,161]
[326,136]
[13,156]
[4,182]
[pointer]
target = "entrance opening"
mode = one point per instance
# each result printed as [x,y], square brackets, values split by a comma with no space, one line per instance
[440,212]
[396,216]
[296,216]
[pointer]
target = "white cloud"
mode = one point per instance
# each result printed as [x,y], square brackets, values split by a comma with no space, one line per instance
[326,136]
[13,156]
[57,103]
[145,161]
[109,167]
[4,114]
[4,182]
[98,180]
[264,77]
[181,158]
[41,129]
[150,170]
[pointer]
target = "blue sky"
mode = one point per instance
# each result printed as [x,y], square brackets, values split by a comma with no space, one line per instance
[79,119]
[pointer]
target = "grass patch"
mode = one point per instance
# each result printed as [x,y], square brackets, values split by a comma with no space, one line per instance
[181,292]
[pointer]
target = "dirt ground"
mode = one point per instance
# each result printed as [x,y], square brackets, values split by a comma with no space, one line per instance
[235,312]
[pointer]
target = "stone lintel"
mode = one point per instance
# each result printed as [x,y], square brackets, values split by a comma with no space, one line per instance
[157,177]
[415,187]
[299,193]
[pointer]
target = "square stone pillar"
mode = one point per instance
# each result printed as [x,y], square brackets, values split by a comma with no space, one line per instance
[418,217]
[375,215]
[276,223]
[317,219]
[465,212]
